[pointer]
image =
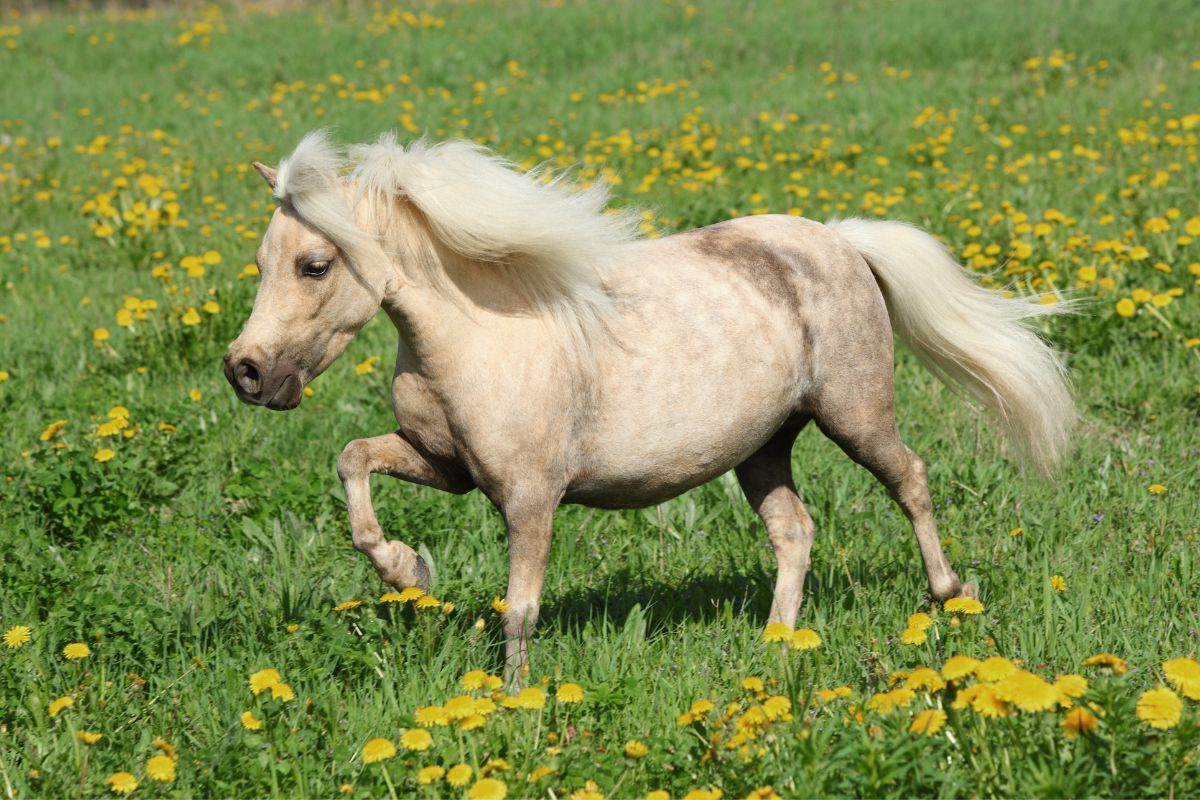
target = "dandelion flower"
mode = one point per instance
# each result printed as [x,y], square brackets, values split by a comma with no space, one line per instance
[89,737]
[657,794]
[458,775]
[635,749]
[1027,692]
[190,317]
[920,620]
[17,636]
[264,679]
[1184,674]
[428,775]
[66,701]
[121,782]
[472,722]
[925,679]
[411,593]
[251,722]
[390,597]
[104,454]
[75,651]
[1159,708]
[282,691]
[805,639]
[487,789]
[416,739]
[499,605]
[1115,663]
[166,747]
[963,605]
[958,667]
[347,605]
[540,772]
[569,693]
[913,636]
[378,750]
[474,679]
[346,789]
[1058,583]
[982,699]
[531,698]
[1078,720]
[1157,488]
[1070,687]
[928,722]
[885,702]
[161,769]
[428,601]
[777,632]
[432,715]
[995,669]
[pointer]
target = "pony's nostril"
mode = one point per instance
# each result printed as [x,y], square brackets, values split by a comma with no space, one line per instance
[248,377]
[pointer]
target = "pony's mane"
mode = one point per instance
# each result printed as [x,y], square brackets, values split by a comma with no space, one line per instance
[549,238]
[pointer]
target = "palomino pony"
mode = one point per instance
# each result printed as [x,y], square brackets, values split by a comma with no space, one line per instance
[547,355]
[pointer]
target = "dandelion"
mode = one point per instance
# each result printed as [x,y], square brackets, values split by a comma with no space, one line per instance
[488,789]
[805,639]
[777,632]
[58,705]
[995,669]
[1156,488]
[75,651]
[190,317]
[1115,663]
[458,775]
[635,749]
[928,722]
[428,601]
[958,667]
[1070,687]
[89,737]
[346,790]
[569,693]
[428,775]
[17,636]
[1058,583]
[1027,692]
[377,750]
[1078,720]
[1159,708]
[411,593]
[390,597]
[52,429]
[964,605]
[347,605]
[251,722]
[530,698]
[913,636]
[1184,675]
[100,336]
[920,620]
[121,782]
[540,772]
[499,605]
[925,679]
[366,367]
[161,769]
[432,715]
[282,691]
[885,702]
[196,395]
[657,794]
[105,454]
[264,679]
[474,679]
[982,699]
[417,739]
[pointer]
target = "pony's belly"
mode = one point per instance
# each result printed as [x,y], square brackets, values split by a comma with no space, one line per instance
[624,492]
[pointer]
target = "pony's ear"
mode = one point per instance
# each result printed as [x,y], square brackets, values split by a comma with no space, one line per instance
[268,174]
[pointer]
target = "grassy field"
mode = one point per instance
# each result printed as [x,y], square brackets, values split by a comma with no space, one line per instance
[161,543]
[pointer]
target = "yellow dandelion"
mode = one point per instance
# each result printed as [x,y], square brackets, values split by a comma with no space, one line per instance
[1027,692]
[474,679]
[196,395]
[530,697]
[539,772]
[913,636]
[52,429]
[121,782]
[635,749]
[251,722]
[428,775]
[105,454]
[920,620]
[886,702]
[499,605]
[346,789]
[211,307]
[75,651]
[167,749]
[994,669]
[161,769]
[17,636]
[1159,708]
[264,679]
[959,667]
[416,739]
[1078,721]
[982,699]
[58,705]
[366,367]
[458,775]
[805,639]
[964,605]
[658,794]
[100,335]
[190,317]
[488,789]
[1058,583]
[89,737]
[212,258]
[928,722]
[1156,488]
[1184,675]
[390,597]
[428,601]
[1115,663]
[347,605]
[411,593]
[1070,687]
[777,632]
[925,679]
[472,722]
[377,750]
[569,693]
[282,691]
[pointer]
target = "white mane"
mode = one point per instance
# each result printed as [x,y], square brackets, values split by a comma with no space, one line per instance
[547,238]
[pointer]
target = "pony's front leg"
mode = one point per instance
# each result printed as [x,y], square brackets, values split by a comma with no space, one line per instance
[530,525]
[397,563]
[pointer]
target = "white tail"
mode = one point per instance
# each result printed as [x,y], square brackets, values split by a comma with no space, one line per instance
[970,335]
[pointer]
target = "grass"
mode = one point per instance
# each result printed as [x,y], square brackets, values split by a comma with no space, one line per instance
[183,561]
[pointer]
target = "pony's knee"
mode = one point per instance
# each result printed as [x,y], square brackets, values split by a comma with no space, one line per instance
[353,461]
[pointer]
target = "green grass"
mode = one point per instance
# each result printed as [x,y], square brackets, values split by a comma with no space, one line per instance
[182,560]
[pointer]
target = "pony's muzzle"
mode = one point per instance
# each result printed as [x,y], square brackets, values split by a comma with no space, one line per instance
[277,387]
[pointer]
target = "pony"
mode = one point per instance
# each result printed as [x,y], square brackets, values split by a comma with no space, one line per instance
[549,354]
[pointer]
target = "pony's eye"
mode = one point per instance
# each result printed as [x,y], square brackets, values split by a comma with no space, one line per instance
[315,269]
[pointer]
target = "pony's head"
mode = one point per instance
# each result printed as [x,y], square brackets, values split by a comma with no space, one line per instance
[322,279]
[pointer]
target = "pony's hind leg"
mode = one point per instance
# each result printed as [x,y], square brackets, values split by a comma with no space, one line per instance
[866,430]
[766,479]
[397,563]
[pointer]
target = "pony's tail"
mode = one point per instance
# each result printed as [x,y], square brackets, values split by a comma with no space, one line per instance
[970,335]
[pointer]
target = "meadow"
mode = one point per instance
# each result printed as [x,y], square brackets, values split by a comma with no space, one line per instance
[183,613]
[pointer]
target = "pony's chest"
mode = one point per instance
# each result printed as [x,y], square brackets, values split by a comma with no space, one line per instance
[420,416]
